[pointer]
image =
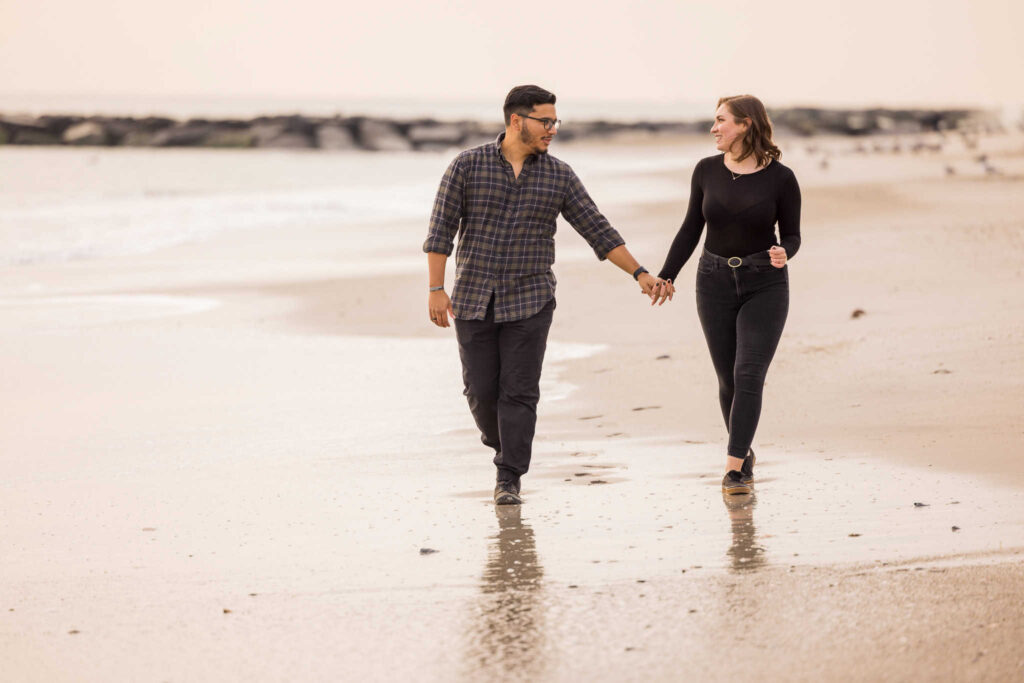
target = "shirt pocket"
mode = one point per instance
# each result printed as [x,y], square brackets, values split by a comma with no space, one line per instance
[539,205]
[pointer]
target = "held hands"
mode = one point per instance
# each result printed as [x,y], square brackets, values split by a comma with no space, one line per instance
[778,256]
[440,307]
[657,289]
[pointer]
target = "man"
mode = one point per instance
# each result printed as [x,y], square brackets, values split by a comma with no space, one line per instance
[502,200]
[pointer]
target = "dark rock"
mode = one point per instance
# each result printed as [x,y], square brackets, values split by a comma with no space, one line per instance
[28,136]
[335,136]
[181,136]
[383,136]
[86,133]
[139,132]
[19,121]
[427,551]
[435,135]
[152,124]
[26,130]
[956,528]
[920,505]
[137,138]
[59,124]
[857,312]
[281,135]
[227,137]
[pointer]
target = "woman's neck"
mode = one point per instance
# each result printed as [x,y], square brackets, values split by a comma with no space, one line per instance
[747,164]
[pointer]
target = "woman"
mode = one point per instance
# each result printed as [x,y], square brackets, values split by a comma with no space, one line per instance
[742,278]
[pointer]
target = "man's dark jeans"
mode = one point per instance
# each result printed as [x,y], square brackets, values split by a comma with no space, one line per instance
[742,311]
[501,366]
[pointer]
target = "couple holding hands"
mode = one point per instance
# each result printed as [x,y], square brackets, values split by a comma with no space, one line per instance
[501,200]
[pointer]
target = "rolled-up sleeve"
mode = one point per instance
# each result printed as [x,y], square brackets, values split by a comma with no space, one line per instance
[581,212]
[448,210]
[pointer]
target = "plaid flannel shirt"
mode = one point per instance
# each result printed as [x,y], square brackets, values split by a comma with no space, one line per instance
[506,228]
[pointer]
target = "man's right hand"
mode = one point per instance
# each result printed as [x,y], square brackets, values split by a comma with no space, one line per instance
[440,307]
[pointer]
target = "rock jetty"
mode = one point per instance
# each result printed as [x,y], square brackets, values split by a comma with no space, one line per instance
[379,134]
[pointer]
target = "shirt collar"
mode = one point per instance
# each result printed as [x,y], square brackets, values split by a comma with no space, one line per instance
[497,149]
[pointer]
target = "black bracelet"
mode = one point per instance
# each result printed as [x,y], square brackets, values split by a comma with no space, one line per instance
[636,273]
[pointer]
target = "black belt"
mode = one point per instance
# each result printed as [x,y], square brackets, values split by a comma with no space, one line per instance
[760,258]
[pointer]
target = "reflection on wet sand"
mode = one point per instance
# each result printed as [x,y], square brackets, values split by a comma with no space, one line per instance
[745,554]
[507,632]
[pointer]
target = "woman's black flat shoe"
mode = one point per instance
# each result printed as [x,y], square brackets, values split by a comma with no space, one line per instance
[748,467]
[733,483]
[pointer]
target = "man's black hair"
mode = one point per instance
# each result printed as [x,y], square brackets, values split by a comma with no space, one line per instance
[523,98]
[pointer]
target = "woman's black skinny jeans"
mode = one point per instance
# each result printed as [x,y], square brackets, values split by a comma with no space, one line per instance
[742,311]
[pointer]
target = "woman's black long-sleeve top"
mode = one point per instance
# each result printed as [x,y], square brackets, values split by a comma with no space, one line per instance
[740,214]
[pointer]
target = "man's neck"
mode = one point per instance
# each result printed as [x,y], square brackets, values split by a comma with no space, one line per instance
[514,151]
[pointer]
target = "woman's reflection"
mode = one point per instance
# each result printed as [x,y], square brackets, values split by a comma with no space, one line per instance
[745,554]
[508,636]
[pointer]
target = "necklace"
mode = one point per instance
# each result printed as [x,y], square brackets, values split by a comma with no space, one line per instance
[736,176]
[733,173]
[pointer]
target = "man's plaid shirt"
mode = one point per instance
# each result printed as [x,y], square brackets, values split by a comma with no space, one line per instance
[506,229]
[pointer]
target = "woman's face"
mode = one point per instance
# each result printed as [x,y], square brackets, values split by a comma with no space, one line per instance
[726,130]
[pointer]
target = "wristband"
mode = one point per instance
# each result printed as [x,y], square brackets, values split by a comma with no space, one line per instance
[437,289]
[636,273]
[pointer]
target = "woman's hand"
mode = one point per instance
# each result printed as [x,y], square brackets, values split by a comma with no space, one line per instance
[662,291]
[778,256]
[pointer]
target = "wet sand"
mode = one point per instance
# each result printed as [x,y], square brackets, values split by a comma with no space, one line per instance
[226,464]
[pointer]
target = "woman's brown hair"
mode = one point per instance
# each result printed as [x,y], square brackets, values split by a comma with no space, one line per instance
[757,140]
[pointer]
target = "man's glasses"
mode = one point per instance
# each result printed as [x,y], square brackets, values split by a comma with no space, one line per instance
[548,123]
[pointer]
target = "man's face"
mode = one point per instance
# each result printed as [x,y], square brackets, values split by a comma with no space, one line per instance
[532,133]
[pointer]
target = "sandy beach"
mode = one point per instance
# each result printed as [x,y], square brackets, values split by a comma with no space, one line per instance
[245,455]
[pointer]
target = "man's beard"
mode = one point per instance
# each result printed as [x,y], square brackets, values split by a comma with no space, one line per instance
[527,139]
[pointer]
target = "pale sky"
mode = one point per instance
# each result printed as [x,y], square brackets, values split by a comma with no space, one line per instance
[855,52]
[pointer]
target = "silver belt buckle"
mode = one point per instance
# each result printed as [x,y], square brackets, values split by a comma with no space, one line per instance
[735,262]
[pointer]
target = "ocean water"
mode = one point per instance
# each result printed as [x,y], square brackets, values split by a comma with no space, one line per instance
[68,204]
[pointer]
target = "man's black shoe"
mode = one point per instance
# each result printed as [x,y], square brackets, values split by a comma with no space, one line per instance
[733,484]
[507,493]
[748,467]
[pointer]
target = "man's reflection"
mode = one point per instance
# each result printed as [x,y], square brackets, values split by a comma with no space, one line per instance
[508,635]
[745,554]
